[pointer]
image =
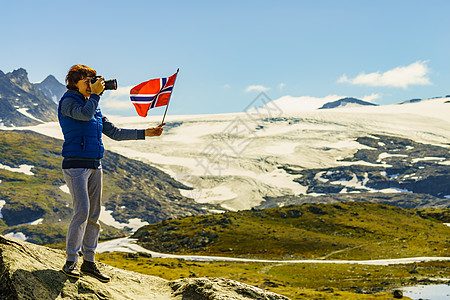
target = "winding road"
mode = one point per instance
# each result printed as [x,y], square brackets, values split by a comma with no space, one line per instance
[129,245]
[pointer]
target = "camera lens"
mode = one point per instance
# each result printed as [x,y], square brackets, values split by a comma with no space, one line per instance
[111,84]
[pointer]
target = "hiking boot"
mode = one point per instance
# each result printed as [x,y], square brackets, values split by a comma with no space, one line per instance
[91,268]
[70,269]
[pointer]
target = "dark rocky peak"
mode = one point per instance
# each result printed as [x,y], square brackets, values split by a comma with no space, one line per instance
[18,75]
[50,80]
[20,78]
[52,88]
[344,101]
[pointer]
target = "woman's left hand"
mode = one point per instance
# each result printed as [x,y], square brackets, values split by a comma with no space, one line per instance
[155,131]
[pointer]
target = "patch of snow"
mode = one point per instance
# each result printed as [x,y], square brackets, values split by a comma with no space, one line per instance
[353,183]
[393,190]
[24,111]
[448,224]
[285,148]
[107,218]
[447,196]
[386,155]
[411,176]
[415,160]
[25,169]
[363,163]
[16,235]
[318,177]
[218,193]
[2,203]
[216,211]
[358,184]
[36,222]
[65,189]
[446,163]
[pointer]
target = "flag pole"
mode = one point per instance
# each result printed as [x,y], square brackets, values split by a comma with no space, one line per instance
[167,106]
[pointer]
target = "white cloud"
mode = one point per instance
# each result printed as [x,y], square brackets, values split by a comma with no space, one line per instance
[281,86]
[414,74]
[259,88]
[227,86]
[117,99]
[371,98]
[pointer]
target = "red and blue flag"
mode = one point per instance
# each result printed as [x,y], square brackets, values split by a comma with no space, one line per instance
[152,93]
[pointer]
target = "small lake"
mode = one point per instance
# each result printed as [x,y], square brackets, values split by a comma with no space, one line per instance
[431,292]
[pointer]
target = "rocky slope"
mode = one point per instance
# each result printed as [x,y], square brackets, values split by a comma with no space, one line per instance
[132,189]
[28,271]
[22,103]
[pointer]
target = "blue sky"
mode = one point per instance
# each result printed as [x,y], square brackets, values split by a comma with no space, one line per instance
[230,51]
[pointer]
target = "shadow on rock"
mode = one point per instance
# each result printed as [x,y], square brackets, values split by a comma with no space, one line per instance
[46,284]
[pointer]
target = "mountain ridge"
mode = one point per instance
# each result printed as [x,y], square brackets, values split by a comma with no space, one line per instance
[22,103]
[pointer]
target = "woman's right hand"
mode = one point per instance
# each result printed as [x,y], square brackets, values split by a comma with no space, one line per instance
[98,86]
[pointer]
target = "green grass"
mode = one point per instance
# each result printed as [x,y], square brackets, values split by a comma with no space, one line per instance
[328,231]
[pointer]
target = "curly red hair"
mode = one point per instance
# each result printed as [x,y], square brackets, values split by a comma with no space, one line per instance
[77,73]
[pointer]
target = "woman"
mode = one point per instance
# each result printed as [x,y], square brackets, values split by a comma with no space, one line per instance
[83,125]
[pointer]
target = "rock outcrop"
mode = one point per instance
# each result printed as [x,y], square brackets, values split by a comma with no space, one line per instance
[29,271]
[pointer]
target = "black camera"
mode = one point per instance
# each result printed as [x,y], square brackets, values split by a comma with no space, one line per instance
[109,84]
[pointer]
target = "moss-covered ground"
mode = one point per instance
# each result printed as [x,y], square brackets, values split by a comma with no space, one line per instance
[350,230]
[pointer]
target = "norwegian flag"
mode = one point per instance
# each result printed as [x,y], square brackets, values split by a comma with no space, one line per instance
[152,93]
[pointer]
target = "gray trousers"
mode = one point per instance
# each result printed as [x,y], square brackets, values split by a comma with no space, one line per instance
[85,186]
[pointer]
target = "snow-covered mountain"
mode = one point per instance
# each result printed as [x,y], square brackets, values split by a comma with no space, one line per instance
[240,160]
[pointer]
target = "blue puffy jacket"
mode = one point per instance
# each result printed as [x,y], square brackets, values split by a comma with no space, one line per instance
[82,139]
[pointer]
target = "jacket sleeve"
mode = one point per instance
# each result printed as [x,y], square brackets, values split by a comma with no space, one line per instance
[119,134]
[70,107]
